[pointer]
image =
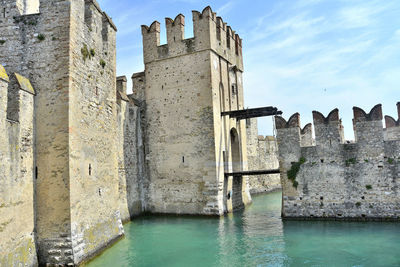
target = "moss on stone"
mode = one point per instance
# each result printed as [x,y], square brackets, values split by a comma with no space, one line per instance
[350,161]
[84,52]
[292,173]
[41,37]
[102,63]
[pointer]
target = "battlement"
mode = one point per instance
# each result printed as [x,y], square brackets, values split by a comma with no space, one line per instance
[15,91]
[210,32]
[392,131]
[334,179]
[390,122]
[374,115]
[329,132]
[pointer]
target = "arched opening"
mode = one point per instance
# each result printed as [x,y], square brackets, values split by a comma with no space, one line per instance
[222,97]
[235,148]
[233,184]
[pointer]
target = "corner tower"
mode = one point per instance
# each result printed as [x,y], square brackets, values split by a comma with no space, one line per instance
[189,144]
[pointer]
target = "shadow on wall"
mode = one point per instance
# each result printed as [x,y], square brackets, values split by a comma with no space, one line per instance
[237,182]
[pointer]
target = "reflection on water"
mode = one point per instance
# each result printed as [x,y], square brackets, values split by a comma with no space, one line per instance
[255,237]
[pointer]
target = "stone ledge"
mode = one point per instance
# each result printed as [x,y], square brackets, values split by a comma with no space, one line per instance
[349,219]
[3,74]
[25,84]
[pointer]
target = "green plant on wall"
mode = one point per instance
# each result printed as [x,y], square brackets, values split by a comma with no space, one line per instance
[292,173]
[85,52]
[390,160]
[92,52]
[2,42]
[102,63]
[368,187]
[41,37]
[351,161]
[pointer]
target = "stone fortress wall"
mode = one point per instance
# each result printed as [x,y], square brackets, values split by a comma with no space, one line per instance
[262,154]
[62,188]
[336,179]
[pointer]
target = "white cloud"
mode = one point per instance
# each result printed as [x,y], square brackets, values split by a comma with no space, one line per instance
[362,14]
[225,8]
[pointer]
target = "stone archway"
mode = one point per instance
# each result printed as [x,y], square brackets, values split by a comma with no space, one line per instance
[233,185]
[237,200]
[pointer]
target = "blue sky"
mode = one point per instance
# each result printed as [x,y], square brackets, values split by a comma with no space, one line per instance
[299,55]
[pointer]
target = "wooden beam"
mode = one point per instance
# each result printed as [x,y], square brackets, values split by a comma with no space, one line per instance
[249,173]
[252,113]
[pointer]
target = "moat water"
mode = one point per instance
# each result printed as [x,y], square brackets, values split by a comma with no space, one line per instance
[254,237]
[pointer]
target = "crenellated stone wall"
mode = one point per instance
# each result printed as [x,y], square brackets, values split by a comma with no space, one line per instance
[262,154]
[339,180]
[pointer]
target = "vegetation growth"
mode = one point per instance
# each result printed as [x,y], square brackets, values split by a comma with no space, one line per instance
[292,173]
[351,161]
[41,37]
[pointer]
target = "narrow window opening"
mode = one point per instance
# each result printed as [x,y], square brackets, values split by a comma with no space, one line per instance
[228,40]
[234,91]
[183,159]
[36,172]
[97,91]
[174,38]
[236,47]
[4,12]
[90,169]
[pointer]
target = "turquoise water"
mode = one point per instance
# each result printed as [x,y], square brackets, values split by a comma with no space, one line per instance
[255,237]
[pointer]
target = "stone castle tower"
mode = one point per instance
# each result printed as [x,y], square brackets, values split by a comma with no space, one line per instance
[186,85]
[65,148]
